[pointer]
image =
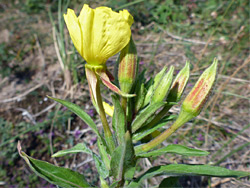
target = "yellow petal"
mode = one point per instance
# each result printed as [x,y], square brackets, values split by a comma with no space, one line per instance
[108,109]
[74,29]
[104,32]
[86,23]
[115,33]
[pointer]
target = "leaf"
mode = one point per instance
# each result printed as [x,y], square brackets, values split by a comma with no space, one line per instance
[79,112]
[140,95]
[82,148]
[188,170]
[117,160]
[79,148]
[103,153]
[104,184]
[170,182]
[176,149]
[118,120]
[122,160]
[101,168]
[129,162]
[146,131]
[83,115]
[56,175]
[147,113]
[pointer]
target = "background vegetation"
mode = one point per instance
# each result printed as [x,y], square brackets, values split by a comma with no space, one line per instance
[37,59]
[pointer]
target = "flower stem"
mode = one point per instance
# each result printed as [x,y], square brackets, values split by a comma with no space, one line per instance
[124,104]
[107,132]
[159,116]
[163,136]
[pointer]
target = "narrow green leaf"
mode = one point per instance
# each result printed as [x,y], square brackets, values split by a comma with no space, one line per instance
[104,184]
[148,112]
[56,175]
[79,112]
[139,99]
[100,166]
[129,162]
[79,148]
[82,148]
[170,182]
[122,160]
[119,120]
[176,149]
[103,154]
[145,131]
[117,160]
[188,170]
[83,115]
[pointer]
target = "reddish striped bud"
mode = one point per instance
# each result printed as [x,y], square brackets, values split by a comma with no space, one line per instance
[179,84]
[196,99]
[127,66]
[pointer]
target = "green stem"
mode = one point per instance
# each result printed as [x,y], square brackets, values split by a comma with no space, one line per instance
[159,116]
[107,132]
[124,104]
[182,119]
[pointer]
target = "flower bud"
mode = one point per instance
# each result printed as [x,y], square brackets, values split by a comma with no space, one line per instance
[152,87]
[162,89]
[127,66]
[179,84]
[197,98]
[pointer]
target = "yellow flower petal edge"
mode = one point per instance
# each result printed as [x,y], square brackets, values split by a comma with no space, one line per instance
[99,33]
[108,109]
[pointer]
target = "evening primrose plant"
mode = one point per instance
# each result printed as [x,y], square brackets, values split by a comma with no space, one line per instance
[139,112]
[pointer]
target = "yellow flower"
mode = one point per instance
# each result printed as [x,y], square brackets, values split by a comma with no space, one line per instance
[99,33]
[108,109]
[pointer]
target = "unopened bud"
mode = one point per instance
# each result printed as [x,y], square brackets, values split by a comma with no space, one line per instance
[127,66]
[197,98]
[162,89]
[151,89]
[179,84]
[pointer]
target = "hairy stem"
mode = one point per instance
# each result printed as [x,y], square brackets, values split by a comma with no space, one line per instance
[107,132]
[163,136]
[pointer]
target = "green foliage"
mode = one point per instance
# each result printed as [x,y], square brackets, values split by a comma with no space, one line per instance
[176,149]
[56,175]
[119,122]
[145,114]
[184,170]
[170,182]
[79,112]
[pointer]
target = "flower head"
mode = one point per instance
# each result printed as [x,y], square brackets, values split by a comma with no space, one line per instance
[198,96]
[127,66]
[179,84]
[99,33]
